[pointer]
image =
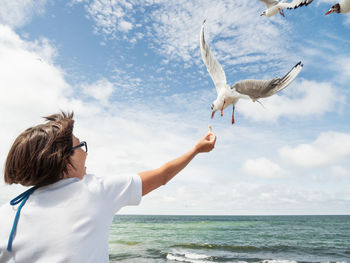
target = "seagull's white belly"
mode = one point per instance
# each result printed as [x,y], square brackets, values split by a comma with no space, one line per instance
[272,11]
[230,100]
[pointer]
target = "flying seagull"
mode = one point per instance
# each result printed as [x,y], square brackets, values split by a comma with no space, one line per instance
[273,6]
[244,89]
[342,8]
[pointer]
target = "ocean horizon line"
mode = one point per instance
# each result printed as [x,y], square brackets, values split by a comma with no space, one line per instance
[231,214]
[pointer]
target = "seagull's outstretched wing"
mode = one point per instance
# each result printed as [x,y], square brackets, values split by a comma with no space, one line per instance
[257,89]
[295,4]
[214,68]
[269,3]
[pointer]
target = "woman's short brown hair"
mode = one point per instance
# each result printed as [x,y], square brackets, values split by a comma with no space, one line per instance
[41,154]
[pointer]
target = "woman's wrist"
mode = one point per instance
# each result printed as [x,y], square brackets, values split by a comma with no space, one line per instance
[195,150]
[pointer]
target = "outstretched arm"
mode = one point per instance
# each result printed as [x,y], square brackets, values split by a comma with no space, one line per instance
[153,179]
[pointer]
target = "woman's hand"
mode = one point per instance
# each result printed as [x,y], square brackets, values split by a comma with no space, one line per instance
[206,144]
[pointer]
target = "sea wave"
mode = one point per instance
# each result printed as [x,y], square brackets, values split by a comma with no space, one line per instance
[279,261]
[189,257]
[273,239]
[197,258]
[292,261]
[238,248]
[218,246]
[123,242]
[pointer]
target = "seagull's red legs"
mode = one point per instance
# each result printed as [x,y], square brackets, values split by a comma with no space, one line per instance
[233,114]
[282,13]
[222,108]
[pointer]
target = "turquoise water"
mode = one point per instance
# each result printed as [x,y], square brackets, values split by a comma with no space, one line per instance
[264,239]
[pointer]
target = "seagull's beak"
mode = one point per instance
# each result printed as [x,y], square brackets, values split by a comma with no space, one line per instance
[330,11]
[212,114]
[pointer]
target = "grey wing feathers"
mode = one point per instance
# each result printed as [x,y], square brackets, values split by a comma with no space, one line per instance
[213,66]
[297,3]
[257,89]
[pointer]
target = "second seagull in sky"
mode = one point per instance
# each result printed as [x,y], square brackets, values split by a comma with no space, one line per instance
[274,6]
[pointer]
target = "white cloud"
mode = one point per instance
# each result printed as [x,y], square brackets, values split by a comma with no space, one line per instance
[329,148]
[326,2]
[125,85]
[347,19]
[28,80]
[16,13]
[339,171]
[124,26]
[108,15]
[342,66]
[139,35]
[264,168]
[301,99]
[100,90]
[242,198]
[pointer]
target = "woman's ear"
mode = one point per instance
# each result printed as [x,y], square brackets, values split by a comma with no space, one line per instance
[70,171]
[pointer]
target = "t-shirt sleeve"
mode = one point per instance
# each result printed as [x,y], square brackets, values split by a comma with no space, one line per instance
[120,191]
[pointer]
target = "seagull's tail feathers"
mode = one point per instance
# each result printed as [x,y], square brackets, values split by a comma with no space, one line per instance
[289,77]
[258,101]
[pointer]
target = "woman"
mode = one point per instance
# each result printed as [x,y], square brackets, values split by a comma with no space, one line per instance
[67,213]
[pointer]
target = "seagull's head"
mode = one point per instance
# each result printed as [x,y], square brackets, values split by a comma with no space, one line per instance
[263,13]
[334,9]
[213,109]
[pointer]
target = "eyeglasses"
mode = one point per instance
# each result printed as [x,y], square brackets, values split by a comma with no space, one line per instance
[81,145]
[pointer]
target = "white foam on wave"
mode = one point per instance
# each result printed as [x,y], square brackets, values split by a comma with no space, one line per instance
[172,257]
[189,257]
[196,256]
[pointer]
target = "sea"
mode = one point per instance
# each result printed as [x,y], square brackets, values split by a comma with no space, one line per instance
[238,239]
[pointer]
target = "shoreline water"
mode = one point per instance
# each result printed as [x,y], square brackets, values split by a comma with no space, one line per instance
[241,239]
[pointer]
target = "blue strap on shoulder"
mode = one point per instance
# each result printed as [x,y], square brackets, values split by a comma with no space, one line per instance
[21,198]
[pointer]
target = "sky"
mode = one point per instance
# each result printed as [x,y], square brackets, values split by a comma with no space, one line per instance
[132,72]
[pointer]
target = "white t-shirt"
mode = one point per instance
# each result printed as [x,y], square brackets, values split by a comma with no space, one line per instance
[67,221]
